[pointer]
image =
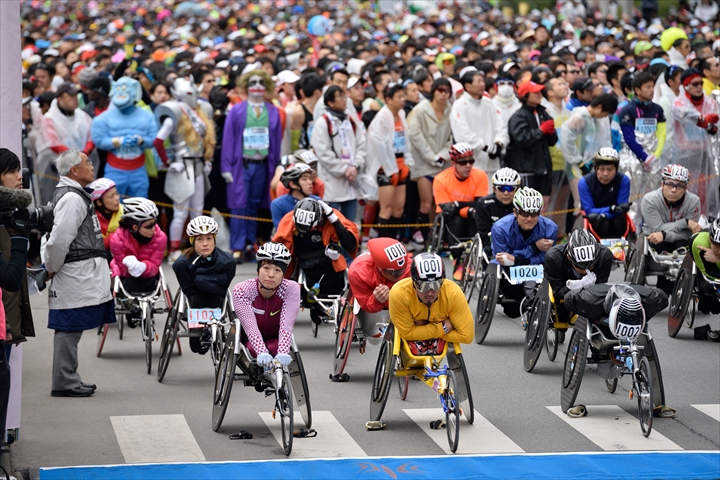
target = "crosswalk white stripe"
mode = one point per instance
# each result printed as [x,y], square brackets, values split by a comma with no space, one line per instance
[332,439]
[711,410]
[156,439]
[480,437]
[612,428]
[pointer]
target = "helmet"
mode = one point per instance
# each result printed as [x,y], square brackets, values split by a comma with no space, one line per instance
[202,225]
[427,272]
[506,176]
[139,209]
[715,231]
[626,318]
[461,150]
[606,155]
[307,215]
[275,253]
[388,254]
[306,156]
[676,172]
[185,91]
[100,187]
[528,200]
[582,249]
[293,173]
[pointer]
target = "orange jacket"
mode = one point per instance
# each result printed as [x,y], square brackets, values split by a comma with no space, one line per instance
[286,232]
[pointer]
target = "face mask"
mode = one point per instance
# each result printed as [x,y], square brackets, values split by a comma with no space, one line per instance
[505,91]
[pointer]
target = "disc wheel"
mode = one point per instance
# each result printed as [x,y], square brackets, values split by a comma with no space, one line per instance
[384,370]
[635,269]
[682,296]
[102,335]
[611,384]
[487,299]
[403,382]
[472,270]
[452,412]
[690,314]
[120,318]
[301,393]
[148,326]
[344,337]
[645,396]
[575,360]
[536,331]
[224,377]
[552,340]
[168,341]
[285,408]
[435,236]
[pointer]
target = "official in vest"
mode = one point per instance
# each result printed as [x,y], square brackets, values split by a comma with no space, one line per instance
[79,295]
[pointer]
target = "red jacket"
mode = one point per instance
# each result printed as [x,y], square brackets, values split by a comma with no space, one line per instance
[122,244]
[364,276]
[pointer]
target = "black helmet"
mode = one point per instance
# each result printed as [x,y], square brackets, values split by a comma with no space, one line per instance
[582,249]
[715,231]
[307,215]
[293,173]
[427,272]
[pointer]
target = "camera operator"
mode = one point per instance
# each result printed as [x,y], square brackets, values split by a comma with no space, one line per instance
[13,246]
[79,296]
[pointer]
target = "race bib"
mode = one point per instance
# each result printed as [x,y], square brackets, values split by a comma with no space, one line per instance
[197,317]
[586,253]
[525,273]
[304,217]
[399,142]
[396,253]
[429,267]
[627,331]
[256,138]
[646,126]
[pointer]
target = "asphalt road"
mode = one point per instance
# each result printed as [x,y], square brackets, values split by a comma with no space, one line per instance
[133,418]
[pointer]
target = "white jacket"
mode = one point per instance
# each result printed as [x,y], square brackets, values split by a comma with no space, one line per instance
[506,107]
[381,153]
[479,123]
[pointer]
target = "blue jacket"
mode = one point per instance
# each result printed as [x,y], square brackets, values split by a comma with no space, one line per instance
[629,114]
[598,198]
[575,102]
[283,205]
[118,123]
[506,237]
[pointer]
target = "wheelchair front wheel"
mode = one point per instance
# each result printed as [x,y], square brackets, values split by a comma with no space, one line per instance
[285,409]
[168,343]
[552,340]
[102,335]
[611,384]
[148,343]
[224,377]
[300,387]
[536,332]
[487,300]
[403,382]
[452,412]
[645,396]
[472,269]
[681,298]
[575,361]
[435,236]
[384,371]
[344,337]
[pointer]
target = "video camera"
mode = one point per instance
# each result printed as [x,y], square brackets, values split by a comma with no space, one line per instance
[15,214]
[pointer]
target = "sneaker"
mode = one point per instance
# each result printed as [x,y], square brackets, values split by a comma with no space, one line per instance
[373,233]
[249,253]
[418,237]
[414,246]
[238,257]
[458,273]
[174,255]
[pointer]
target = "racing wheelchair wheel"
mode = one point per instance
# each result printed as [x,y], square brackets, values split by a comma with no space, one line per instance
[434,241]
[403,382]
[224,377]
[635,266]
[487,300]
[472,268]
[463,394]
[384,371]
[682,296]
[537,330]
[285,409]
[452,412]
[300,386]
[102,335]
[149,332]
[344,335]
[552,340]
[645,396]
[611,384]
[169,335]
[575,360]
[121,319]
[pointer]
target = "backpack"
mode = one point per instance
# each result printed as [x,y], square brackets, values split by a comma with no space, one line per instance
[329,127]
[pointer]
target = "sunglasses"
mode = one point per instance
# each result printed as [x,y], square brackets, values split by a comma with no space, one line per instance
[675,186]
[505,188]
[525,214]
[695,84]
[443,90]
[425,287]
[603,70]
[394,273]
[465,162]
[574,72]
[149,227]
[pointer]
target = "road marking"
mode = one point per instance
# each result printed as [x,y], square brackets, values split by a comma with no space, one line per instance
[712,410]
[156,439]
[332,439]
[480,437]
[613,429]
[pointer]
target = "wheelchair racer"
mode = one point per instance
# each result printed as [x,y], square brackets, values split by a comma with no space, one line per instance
[316,235]
[298,179]
[428,311]
[611,305]
[371,277]
[495,206]
[521,239]
[605,193]
[670,216]
[204,273]
[456,191]
[267,306]
[706,255]
[579,263]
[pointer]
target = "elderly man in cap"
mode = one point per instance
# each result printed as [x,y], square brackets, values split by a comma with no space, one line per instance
[63,127]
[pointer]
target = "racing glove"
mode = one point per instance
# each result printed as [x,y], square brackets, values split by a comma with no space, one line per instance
[264,359]
[130,260]
[328,212]
[284,359]
[585,281]
[137,269]
[705,120]
[622,208]
[227,176]
[449,209]
[333,251]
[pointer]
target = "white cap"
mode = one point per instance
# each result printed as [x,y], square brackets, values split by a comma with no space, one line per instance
[250,67]
[352,81]
[355,66]
[51,52]
[222,64]
[287,76]
[467,69]
[200,56]
[506,68]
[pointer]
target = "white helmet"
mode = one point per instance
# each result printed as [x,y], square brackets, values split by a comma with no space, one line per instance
[100,186]
[506,176]
[185,91]
[202,225]
[139,209]
[306,156]
[528,200]
[626,318]
[274,252]
[676,172]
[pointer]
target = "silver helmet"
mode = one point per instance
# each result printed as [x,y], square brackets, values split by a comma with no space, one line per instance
[186,91]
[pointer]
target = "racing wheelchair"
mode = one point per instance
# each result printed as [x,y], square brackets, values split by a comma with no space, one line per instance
[138,305]
[288,384]
[348,330]
[643,261]
[626,350]
[618,246]
[329,305]
[184,321]
[690,285]
[451,380]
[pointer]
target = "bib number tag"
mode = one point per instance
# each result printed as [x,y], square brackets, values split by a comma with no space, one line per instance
[646,126]
[197,317]
[256,138]
[525,273]
[630,332]
[399,142]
